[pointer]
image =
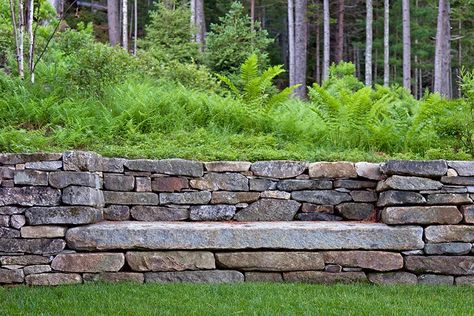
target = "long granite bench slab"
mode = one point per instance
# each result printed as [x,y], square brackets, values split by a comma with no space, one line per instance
[255,235]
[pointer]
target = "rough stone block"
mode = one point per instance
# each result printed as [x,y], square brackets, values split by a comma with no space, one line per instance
[270,261]
[356,211]
[82,161]
[11,276]
[256,235]
[355,184]
[224,197]
[412,183]
[468,213]
[463,168]
[211,276]
[448,199]
[169,184]
[428,168]
[17,221]
[279,169]
[53,279]
[202,197]
[116,213]
[159,213]
[37,269]
[454,265]
[263,277]
[62,179]
[434,279]
[131,198]
[212,212]
[13,159]
[6,173]
[373,260]
[332,170]
[88,262]
[177,167]
[320,277]
[364,196]
[369,170]
[24,260]
[30,177]
[44,165]
[75,195]
[43,231]
[119,182]
[314,208]
[30,196]
[465,280]
[325,197]
[451,248]
[227,166]
[114,277]
[170,260]
[449,233]
[297,185]
[458,180]
[6,232]
[221,181]
[317,217]
[269,210]
[391,197]
[389,278]
[72,215]
[333,268]
[143,184]
[421,215]
[32,246]
[4,220]
[112,165]
[275,195]
[262,184]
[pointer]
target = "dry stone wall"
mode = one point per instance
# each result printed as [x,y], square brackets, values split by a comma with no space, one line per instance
[78,217]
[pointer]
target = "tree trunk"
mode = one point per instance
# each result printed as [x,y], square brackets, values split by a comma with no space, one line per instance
[135,27]
[317,73]
[21,31]
[57,5]
[326,40]
[124,24]
[301,46]
[113,19]
[386,40]
[369,43]
[31,39]
[200,24]
[15,34]
[291,42]
[442,50]
[340,31]
[252,11]
[406,45]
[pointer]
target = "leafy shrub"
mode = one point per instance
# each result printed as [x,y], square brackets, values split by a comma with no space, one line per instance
[256,89]
[233,40]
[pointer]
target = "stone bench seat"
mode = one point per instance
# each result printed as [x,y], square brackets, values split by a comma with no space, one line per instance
[252,235]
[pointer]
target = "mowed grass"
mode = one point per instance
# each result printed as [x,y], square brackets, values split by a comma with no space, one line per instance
[242,299]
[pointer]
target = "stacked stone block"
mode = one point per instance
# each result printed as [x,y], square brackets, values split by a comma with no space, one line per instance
[79,217]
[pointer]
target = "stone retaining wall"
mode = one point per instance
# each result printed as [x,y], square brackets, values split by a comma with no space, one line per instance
[79,217]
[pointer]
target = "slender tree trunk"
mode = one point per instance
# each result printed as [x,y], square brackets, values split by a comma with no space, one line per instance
[124,24]
[318,54]
[113,20]
[291,42]
[442,50]
[21,32]
[386,43]
[135,27]
[31,39]
[326,40]
[406,45]
[340,31]
[252,11]
[200,24]
[301,46]
[369,43]
[15,34]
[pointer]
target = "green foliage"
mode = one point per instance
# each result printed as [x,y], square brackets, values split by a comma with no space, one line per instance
[169,33]
[233,40]
[256,89]
[6,35]
[342,77]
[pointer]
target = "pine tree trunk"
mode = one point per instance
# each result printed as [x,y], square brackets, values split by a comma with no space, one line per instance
[113,20]
[301,46]
[406,45]
[326,40]
[340,31]
[124,24]
[369,43]
[317,72]
[135,27]
[442,50]
[291,42]
[252,11]
[386,43]
[200,24]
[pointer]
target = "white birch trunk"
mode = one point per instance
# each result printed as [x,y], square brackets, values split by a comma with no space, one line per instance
[31,39]
[301,47]
[406,45]
[369,42]
[291,42]
[124,25]
[442,54]
[386,43]
[21,31]
[326,40]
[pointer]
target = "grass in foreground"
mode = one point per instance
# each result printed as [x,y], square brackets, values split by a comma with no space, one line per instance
[244,299]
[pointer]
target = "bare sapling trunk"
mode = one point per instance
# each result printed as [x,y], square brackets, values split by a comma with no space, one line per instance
[124,24]
[31,38]
[406,45]
[369,43]
[135,27]
[340,31]
[301,47]
[21,31]
[386,47]
[326,40]
[113,21]
[291,42]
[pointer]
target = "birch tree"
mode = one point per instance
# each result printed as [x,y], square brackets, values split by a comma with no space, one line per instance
[368,43]
[386,40]
[31,39]
[291,41]
[18,25]
[198,22]
[340,31]
[442,62]
[406,44]
[326,40]
[113,20]
[301,46]
[125,24]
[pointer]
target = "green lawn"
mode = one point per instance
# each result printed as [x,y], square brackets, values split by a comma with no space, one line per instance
[243,299]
